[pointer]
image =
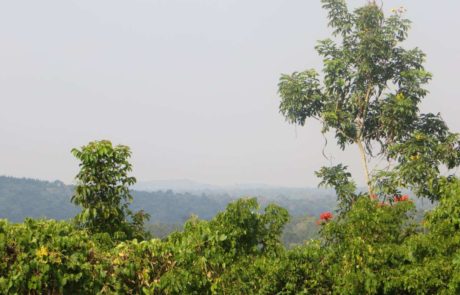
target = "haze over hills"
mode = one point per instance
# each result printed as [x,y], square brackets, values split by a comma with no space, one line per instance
[235,190]
[177,185]
[170,202]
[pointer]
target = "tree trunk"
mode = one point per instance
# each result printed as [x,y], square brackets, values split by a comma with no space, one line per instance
[362,152]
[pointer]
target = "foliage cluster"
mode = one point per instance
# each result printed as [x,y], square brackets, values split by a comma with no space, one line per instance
[374,249]
[369,95]
[372,244]
[103,191]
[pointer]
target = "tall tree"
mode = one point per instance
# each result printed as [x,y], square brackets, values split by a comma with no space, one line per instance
[103,190]
[369,96]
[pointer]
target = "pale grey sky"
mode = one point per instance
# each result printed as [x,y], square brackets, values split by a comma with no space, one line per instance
[189,85]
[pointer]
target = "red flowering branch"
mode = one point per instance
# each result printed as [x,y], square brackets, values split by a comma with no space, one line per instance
[324,217]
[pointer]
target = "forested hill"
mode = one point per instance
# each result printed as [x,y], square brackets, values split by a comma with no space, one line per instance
[20,198]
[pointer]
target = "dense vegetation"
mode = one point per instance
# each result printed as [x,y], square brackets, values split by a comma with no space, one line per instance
[374,249]
[371,244]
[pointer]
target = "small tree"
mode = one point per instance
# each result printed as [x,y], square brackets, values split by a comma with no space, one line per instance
[103,190]
[369,97]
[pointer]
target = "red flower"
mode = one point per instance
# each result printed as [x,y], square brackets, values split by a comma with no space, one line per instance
[325,216]
[374,197]
[401,198]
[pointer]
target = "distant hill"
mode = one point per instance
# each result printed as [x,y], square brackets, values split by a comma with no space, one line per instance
[235,191]
[176,185]
[21,197]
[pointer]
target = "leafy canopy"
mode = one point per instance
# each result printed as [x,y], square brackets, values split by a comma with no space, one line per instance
[369,94]
[103,190]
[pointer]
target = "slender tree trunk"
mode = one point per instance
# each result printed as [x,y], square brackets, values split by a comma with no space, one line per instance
[362,152]
[359,139]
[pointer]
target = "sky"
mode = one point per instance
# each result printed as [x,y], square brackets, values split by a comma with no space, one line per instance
[189,85]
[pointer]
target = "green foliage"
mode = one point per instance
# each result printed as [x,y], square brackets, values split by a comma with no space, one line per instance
[421,156]
[374,245]
[434,253]
[47,257]
[218,256]
[103,191]
[369,95]
[358,73]
[338,178]
[373,248]
[364,248]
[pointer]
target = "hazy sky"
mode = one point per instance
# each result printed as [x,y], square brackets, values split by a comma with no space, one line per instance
[189,85]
